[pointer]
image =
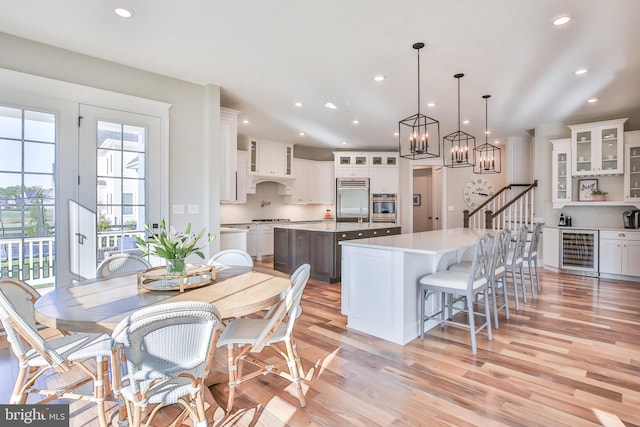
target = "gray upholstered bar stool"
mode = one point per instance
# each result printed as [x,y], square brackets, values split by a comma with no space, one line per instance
[456,284]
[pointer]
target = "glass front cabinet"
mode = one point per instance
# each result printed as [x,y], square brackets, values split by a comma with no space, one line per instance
[632,167]
[561,172]
[597,148]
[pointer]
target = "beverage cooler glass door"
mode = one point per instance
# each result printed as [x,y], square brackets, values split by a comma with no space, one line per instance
[579,252]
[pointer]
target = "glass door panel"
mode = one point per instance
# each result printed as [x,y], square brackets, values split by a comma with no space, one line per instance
[609,149]
[562,176]
[583,160]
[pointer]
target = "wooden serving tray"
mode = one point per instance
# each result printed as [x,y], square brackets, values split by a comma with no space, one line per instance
[157,279]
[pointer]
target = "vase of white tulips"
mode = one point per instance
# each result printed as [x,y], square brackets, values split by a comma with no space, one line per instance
[173,246]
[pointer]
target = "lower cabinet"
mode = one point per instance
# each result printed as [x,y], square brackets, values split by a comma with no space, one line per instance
[620,252]
[318,248]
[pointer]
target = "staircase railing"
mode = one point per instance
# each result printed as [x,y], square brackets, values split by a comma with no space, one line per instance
[504,209]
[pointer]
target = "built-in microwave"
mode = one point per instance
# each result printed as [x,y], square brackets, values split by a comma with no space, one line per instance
[383,207]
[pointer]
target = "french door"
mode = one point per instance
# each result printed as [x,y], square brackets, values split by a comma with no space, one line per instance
[119,176]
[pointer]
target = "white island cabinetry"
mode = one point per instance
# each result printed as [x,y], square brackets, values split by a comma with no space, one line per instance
[620,253]
[380,279]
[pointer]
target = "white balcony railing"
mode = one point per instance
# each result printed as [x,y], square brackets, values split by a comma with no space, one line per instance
[32,259]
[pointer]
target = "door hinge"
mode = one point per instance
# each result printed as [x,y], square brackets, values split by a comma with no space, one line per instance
[78,179]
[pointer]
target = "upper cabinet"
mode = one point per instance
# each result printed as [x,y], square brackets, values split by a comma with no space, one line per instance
[561,170]
[380,167]
[632,167]
[229,146]
[314,183]
[269,158]
[351,164]
[383,173]
[597,148]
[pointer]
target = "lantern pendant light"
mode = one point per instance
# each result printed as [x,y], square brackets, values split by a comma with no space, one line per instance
[458,146]
[418,135]
[487,157]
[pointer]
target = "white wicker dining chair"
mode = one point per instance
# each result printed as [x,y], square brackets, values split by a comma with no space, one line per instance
[119,264]
[455,284]
[231,257]
[161,356]
[85,353]
[250,336]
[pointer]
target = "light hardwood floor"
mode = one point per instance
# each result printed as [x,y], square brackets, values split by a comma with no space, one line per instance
[570,357]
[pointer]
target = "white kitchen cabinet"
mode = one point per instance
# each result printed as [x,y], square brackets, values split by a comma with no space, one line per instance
[269,158]
[561,170]
[241,177]
[383,173]
[264,240]
[229,148]
[597,148]
[251,239]
[351,164]
[300,186]
[314,183]
[322,183]
[632,167]
[551,247]
[620,252]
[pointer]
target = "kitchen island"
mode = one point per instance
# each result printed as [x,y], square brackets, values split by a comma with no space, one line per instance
[380,278]
[318,245]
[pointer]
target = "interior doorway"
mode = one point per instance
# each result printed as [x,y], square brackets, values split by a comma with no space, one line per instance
[427,198]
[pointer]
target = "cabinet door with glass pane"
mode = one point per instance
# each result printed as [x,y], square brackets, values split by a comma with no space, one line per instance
[632,167]
[561,173]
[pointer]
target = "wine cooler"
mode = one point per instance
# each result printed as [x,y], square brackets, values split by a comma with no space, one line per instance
[579,252]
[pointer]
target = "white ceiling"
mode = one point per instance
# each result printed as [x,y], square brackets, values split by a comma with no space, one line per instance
[266,55]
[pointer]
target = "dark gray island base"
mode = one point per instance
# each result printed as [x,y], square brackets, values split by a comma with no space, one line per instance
[317,244]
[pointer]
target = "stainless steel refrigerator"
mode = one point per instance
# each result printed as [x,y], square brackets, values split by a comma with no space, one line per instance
[352,200]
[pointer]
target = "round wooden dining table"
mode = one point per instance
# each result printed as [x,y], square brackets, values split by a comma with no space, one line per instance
[99,305]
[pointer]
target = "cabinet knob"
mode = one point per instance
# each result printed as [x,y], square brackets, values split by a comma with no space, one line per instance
[344,235]
[388,231]
[621,235]
[359,234]
[375,233]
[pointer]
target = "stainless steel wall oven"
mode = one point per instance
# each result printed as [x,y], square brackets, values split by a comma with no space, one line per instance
[383,207]
[579,252]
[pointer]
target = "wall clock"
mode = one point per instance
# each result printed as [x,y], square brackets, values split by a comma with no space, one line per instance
[477,191]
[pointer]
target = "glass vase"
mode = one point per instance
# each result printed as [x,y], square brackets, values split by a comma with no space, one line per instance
[176,267]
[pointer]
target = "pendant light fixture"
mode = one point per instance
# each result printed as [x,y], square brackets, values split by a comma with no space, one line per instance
[487,157]
[418,135]
[458,146]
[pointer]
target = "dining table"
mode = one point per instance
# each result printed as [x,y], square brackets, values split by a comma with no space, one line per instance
[98,305]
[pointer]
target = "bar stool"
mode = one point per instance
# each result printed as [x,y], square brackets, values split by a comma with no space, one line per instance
[452,284]
[531,257]
[497,273]
[514,264]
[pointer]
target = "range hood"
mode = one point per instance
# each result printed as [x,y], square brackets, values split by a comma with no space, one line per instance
[285,183]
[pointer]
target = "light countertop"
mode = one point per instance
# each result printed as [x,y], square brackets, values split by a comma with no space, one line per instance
[335,226]
[578,228]
[426,242]
[228,230]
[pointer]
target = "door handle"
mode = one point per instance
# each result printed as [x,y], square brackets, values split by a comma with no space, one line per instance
[81,238]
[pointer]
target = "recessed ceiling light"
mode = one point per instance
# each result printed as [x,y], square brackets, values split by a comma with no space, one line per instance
[431,104]
[395,134]
[497,141]
[298,104]
[592,100]
[488,132]
[331,106]
[123,12]
[245,121]
[466,122]
[561,20]
[581,71]
[344,142]
[301,134]
[378,78]
[355,122]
